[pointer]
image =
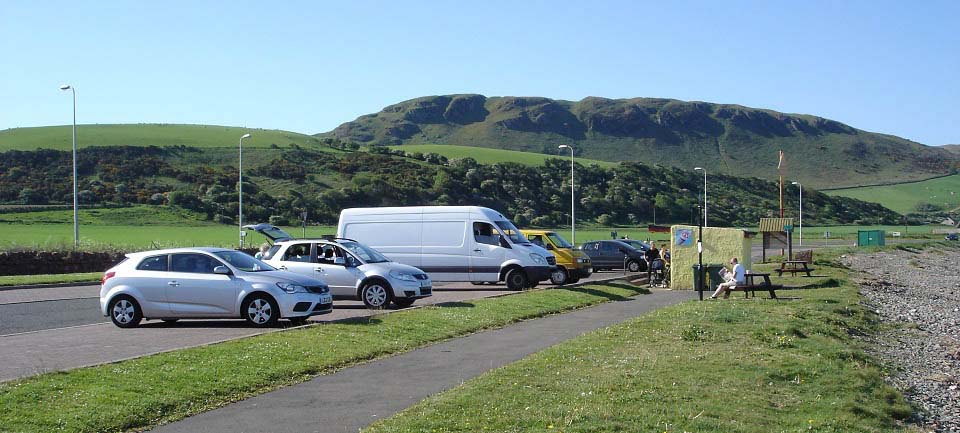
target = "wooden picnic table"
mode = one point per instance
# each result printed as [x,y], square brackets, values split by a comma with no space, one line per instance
[751,286]
[794,266]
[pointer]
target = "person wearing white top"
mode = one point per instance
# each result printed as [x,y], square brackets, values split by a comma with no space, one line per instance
[738,276]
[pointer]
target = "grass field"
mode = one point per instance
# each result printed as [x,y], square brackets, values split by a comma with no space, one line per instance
[60,138]
[736,365]
[485,155]
[904,197]
[19,280]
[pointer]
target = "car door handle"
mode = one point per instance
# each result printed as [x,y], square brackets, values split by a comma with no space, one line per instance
[476,251]
[318,269]
[173,283]
[282,268]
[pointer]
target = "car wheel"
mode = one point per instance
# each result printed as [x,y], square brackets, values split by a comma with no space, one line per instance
[298,321]
[403,302]
[517,279]
[375,295]
[125,312]
[633,266]
[261,310]
[559,276]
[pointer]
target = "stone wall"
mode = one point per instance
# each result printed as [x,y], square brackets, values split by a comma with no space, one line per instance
[56,262]
[719,245]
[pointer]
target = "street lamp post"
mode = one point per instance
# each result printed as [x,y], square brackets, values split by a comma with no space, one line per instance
[76,220]
[801,212]
[704,194]
[573,220]
[240,218]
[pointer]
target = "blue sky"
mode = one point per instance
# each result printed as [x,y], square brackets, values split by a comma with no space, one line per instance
[889,67]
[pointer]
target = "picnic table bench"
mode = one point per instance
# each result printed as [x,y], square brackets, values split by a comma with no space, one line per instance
[794,266]
[749,286]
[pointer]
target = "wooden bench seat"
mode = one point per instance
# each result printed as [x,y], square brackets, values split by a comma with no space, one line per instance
[751,287]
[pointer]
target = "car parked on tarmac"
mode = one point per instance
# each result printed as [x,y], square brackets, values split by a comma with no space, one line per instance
[572,264]
[951,237]
[614,254]
[207,283]
[353,270]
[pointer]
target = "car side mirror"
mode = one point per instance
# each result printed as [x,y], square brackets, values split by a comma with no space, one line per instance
[550,247]
[339,261]
[222,270]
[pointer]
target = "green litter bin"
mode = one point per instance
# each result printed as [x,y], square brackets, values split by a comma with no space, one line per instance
[713,274]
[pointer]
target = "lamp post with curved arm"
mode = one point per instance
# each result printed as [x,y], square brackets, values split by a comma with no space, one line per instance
[573,220]
[76,220]
[240,218]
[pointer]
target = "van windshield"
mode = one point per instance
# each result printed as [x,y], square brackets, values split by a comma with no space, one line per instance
[559,241]
[512,232]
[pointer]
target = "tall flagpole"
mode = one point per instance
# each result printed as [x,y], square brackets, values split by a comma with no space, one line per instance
[780,171]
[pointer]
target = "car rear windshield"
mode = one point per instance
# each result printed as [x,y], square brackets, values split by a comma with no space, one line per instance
[243,261]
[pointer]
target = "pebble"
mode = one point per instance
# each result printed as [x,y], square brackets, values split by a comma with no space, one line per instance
[917,293]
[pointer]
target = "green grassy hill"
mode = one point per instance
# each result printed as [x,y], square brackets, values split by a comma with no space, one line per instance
[730,139]
[492,156]
[942,193]
[201,136]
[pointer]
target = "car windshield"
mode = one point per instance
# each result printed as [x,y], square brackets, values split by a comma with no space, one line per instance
[243,261]
[512,232]
[558,240]
[367,254]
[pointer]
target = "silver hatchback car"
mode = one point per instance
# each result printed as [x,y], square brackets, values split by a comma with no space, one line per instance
[204,283]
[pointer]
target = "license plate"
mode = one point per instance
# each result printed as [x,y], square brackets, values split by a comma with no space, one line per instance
[326,299]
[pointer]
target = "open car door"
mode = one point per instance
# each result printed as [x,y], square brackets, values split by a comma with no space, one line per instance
[272,232]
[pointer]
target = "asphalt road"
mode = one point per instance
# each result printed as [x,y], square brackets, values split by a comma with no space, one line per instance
[43,330]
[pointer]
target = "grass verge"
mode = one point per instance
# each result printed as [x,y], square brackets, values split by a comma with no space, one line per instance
[147,391]
[719,366]
[21,280]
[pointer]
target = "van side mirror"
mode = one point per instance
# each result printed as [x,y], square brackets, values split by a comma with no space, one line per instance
[222,270]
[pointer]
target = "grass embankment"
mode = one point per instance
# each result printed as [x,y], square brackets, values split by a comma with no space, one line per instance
[203,136]
[943,192]
[20,280]
[147,391]
[718,366]
[486,155]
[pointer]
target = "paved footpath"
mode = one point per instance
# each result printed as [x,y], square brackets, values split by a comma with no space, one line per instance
[353,398]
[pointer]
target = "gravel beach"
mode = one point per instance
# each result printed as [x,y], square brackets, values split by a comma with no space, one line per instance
[918,292]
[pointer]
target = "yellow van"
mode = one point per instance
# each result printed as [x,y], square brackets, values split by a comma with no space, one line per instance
[572,264]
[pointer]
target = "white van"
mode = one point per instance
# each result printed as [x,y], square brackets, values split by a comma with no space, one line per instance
[451,243]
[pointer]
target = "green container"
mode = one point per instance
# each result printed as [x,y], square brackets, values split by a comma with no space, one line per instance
[871,238]
[713,273]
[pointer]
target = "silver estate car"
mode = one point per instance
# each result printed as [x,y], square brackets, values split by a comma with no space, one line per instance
[204,283]
[353,270]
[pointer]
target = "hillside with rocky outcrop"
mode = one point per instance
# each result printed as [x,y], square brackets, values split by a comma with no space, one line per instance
[731,139]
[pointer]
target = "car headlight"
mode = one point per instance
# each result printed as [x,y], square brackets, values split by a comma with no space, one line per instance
[584,260]
[538,259]
[292,288]
[402,276]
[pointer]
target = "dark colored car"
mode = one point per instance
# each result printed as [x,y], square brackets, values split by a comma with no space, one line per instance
[614,254]
[952,237]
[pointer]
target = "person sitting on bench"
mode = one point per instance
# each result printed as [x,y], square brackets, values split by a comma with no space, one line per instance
[738,276]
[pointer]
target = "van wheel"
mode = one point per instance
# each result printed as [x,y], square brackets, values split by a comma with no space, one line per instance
[261,310]
[125,312]
[403,302]
[559,276]
[633,266]
[375,295]
[517,279]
